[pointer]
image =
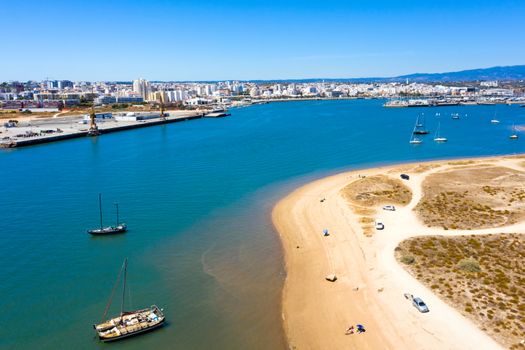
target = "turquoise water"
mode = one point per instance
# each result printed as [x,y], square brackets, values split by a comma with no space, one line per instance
[197,197]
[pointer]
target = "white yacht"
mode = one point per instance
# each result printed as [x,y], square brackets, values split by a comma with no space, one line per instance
[514,134]
[438,137]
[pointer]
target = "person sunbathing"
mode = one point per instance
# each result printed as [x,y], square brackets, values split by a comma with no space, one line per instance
[360,328]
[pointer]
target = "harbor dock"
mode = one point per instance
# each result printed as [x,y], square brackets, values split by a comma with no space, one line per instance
[38,131]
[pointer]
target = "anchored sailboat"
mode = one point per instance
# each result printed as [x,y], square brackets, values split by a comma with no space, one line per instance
[419,129]
[437,136]
[128,323]
[514,134]
[118,228]
[494,120]
[413,139]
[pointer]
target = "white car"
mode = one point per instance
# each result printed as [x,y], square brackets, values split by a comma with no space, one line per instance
[379,225]
[389,207]
[420,305]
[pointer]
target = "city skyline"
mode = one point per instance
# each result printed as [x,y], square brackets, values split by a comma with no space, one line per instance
[233,40]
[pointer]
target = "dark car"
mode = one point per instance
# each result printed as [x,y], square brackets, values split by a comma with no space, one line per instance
[405,176]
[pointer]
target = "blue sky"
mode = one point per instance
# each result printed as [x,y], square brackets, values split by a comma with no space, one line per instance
[216,40]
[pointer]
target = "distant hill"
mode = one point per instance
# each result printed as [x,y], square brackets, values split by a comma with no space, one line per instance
[493,73]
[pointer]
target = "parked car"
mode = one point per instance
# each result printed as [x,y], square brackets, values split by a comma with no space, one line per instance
[420,304]
[379,225]
[405,176]
[389,207]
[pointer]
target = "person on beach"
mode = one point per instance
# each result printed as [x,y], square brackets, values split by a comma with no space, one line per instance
[360,328]
[350,330]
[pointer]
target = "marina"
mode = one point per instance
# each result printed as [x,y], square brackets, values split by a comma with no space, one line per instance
[450,101]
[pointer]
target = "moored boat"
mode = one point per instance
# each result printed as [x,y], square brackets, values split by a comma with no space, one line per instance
[494,120]
[514,135]
[419,128]
[438,137]
[108,230]
[413,139]
[128,323]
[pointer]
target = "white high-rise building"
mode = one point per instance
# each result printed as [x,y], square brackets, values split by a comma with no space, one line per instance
[142,88]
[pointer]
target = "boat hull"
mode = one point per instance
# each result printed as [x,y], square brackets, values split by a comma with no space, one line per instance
[130,324]
[108,230]
[142,331]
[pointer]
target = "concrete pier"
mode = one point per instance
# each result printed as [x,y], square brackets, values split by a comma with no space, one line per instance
[57,129]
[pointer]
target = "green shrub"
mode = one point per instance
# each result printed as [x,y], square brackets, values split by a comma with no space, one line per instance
[408,259]
[469,265]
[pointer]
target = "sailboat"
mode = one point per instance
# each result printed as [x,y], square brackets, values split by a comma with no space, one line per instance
[419,129]
[118,228]
[413,139]
[494,120]
[128,323]
[455,115]
[514,134]
[418,123]
[437,137]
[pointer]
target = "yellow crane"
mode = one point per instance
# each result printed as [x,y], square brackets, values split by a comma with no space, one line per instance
[162,107]
[93,128]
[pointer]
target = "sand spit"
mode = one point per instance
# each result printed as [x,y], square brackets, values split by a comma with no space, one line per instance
[370,284]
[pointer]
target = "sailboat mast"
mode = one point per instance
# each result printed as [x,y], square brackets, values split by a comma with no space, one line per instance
[100,208]
[124,288]
[117,213]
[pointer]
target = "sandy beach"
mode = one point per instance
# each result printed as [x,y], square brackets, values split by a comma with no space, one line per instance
[370,282]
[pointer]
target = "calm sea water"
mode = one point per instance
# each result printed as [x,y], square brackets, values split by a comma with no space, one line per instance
[197,197]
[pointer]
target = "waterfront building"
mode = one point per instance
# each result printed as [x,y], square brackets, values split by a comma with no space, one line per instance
[105,100]
[197,101]
[157,96]
[142,88]
[98,116]
[133,117]
[69,102]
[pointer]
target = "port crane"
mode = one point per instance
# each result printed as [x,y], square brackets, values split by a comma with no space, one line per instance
[162,106]
[93,128]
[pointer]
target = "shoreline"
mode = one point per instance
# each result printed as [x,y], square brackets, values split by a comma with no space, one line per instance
[371,283]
